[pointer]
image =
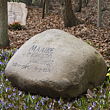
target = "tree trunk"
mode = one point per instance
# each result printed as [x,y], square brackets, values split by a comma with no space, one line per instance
[68,15]
[43,9]
[99,19]
[41,3]
[47,6]
[78,5]
[85,3]
[4,40]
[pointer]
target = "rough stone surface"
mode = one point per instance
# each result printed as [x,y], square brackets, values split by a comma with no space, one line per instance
[17,12]
[55,63]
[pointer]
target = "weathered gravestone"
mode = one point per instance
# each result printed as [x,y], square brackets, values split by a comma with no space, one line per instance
[17,12]
[55,63]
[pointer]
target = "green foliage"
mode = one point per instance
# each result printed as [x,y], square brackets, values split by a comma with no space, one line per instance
[108,74]
[13,99]
[14,0]
[16,26]
[89,42]
[28,2]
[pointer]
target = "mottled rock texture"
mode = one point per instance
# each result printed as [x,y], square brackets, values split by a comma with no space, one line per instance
[55,63]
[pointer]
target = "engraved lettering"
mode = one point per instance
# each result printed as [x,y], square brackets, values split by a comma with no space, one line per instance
[42,57]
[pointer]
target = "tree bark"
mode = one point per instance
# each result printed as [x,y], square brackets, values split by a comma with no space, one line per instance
[99,19]
[41,3]
[47,6]
[68,15]
[43,9]
[78,4]
[85,3]
[4,40]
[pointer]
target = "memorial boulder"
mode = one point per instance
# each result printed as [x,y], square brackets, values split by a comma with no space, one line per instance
[55,63]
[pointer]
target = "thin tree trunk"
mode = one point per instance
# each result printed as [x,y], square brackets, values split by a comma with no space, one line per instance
[78,5]
[99,19]
[84,2]
[29,2]
[41,3]
[43,9]
[68,15]
[47,6]
[4,40]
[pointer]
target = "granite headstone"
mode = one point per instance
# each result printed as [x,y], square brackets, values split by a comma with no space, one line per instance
[17,12]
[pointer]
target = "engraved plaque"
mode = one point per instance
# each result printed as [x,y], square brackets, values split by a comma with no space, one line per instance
[17,12]
[41,57]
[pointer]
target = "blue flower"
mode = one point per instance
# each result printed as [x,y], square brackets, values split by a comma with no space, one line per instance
[14,94]
[6,79]
[2,72]
[33,97]
[1,92]
[10,105]
[7,89]
[14,89]
[69,106]
[59,102]
[19,93]
[50,105]
[2,103]
[93,104]
[9,96]
[1,63]
[90,108]
[25,107]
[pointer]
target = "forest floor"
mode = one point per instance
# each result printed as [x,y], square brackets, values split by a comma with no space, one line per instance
[88,31]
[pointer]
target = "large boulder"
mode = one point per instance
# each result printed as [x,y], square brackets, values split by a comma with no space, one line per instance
[55,63]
